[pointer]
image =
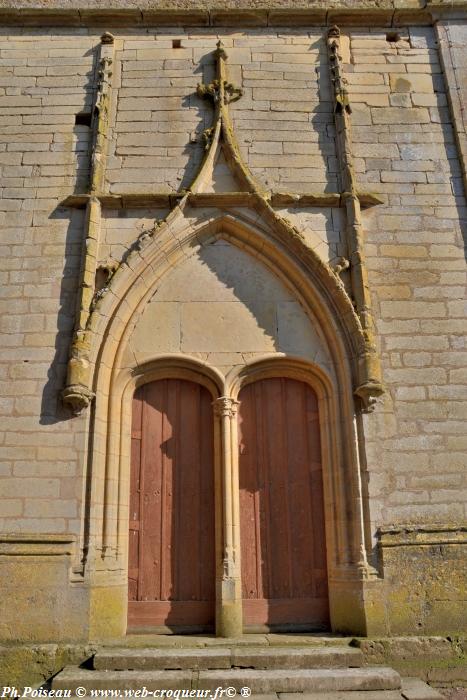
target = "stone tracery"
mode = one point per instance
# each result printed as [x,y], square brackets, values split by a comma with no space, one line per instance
[221,136]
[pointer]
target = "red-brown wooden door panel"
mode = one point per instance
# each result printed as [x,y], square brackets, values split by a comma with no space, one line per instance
[284,576]
[171,548]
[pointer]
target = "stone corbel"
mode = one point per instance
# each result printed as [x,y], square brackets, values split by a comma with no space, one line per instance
[77,397]
[77,394]
[369,392]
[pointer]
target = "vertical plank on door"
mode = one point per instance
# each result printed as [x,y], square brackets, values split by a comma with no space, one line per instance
[134,506]
[281,495]
[251,563]
[173,564]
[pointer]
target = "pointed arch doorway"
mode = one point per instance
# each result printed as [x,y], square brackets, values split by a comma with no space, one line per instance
[171,568]
[283,549]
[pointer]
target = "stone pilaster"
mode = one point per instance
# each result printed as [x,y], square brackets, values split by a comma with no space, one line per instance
[369,384]
[77,393]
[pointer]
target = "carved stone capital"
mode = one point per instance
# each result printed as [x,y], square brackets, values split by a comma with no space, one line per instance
[224,406]
[77,397]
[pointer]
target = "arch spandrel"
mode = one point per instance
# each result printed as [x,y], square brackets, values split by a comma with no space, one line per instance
[316,288]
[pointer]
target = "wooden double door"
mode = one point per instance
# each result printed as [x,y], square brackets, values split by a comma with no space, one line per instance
[172,505]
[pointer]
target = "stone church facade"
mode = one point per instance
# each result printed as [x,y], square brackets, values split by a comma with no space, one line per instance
[233,363]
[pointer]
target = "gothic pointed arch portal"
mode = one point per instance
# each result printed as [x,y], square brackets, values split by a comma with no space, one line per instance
[223,292]
[232,285]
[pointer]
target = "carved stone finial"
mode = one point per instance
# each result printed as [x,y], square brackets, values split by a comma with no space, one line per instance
[220,51]
[339,265]
[77,397]
[213,91]
[107,38]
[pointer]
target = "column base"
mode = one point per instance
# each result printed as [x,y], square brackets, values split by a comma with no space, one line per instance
[229,613]
[357,607]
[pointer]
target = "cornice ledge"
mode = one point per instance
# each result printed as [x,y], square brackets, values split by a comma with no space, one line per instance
[29,544]
[232,13]
[135,200]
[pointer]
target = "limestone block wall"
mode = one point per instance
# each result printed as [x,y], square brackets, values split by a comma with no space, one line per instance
[283,121]
[407,149]
[45,79]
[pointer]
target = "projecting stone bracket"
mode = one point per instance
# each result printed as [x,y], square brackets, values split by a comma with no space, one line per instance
[369,393]
[77,397]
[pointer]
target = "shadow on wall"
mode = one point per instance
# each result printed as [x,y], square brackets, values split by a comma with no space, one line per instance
[286,323]
[225,307]
[205,113]
[247,283]
[52,409]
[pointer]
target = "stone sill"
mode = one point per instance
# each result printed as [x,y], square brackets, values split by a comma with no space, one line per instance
[20,544]
[416,535]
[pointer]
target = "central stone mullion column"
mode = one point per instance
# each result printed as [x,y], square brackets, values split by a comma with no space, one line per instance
[228,577]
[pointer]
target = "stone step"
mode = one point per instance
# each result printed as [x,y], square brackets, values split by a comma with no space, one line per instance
[412,689]
[346,695]
[258,681]
[416,689]
[250,639]
[338,695]
[317,680]
[223,658]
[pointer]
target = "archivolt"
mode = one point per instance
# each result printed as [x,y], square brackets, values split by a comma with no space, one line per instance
[113,321]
